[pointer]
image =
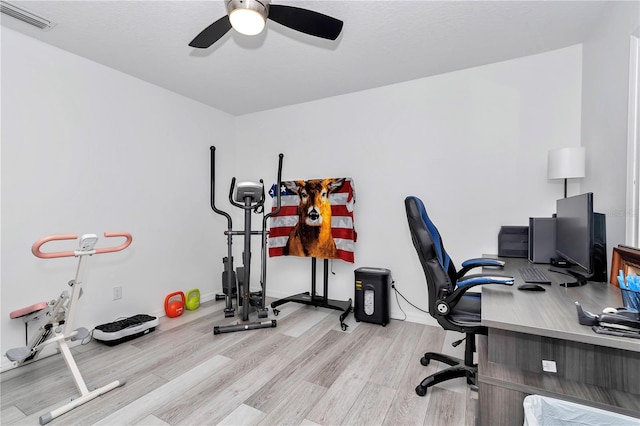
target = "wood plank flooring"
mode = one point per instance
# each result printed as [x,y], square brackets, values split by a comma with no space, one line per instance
[306,371]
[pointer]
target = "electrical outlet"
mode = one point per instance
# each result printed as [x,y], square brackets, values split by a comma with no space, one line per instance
[549,366]
[117,292]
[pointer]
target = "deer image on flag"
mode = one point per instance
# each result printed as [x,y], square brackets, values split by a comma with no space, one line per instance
[315,220]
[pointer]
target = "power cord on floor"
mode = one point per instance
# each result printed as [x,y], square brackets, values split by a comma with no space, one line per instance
[90,337]
[397,292]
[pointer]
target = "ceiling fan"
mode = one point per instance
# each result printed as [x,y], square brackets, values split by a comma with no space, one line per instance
[249,17]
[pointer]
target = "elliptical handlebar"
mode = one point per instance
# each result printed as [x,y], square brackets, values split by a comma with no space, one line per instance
[265,232]
[231,188]
[35,249]
[213,188]
[278,204]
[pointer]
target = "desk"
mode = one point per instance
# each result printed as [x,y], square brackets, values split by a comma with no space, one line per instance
[526,327]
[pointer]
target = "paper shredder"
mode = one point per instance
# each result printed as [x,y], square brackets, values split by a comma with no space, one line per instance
[372,286]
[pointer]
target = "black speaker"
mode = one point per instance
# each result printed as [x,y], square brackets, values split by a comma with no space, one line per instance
[513,241]
[542,239]
[371,302]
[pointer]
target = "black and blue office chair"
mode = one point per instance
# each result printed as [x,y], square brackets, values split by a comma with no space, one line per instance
[449,302]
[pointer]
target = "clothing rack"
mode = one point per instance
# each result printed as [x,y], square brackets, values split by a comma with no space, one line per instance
[312,299]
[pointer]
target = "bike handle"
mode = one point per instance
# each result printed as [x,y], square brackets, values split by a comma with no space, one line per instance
[35,249]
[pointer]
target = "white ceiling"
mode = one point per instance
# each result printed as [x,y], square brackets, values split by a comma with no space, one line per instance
[382,42]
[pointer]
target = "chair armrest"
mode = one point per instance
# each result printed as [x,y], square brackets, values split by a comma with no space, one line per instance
[467,265]
[481,279]
[444,303]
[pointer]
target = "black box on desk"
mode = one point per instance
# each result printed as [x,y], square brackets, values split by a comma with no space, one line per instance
[513,241]
[371,301]
[542,239]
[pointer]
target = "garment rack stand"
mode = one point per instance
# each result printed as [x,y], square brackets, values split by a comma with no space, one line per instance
[312,299]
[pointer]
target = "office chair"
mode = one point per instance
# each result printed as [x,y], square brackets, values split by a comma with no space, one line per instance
[448,302]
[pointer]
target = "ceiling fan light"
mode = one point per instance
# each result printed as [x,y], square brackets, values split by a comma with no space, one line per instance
[247,21]
[248,16]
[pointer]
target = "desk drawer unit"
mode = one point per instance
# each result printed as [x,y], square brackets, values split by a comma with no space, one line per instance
[511,367]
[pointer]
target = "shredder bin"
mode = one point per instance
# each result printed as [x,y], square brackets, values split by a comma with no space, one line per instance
[542,411]
[371,302]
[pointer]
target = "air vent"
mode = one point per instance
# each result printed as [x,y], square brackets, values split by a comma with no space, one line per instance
[25,15]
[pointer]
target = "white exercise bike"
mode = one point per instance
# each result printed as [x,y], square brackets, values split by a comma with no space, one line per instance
[58,316]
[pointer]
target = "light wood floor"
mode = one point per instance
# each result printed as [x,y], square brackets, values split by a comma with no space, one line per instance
[305,371]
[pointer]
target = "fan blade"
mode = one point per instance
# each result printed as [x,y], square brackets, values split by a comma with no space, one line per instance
[306,21]
[212,33]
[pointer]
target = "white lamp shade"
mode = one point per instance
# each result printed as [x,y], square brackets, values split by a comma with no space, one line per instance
[247,21]
[566,163]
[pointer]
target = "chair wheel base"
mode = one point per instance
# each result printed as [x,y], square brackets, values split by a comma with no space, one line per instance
[424,361]
[421,390]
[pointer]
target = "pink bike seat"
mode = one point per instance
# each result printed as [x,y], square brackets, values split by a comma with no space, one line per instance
[28,310]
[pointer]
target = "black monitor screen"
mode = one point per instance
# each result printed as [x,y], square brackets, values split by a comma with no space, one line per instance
[574,230]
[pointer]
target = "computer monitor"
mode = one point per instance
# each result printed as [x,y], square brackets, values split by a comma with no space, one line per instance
[581,236]
[574,230]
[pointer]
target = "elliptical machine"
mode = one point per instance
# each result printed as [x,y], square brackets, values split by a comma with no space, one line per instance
[250,197]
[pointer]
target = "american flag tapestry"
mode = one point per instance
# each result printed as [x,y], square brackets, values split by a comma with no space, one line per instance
[315,219]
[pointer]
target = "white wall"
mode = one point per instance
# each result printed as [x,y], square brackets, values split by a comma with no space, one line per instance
[86,149]
[472,144]
[605,92]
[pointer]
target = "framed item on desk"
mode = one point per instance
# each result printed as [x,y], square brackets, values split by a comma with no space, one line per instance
[625,259]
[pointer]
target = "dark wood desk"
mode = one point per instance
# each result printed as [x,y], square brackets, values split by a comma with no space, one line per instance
[527,327]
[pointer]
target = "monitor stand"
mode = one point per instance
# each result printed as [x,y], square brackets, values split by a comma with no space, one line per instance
[580,279]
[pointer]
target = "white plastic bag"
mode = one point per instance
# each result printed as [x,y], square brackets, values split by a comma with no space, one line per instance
[544,411]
